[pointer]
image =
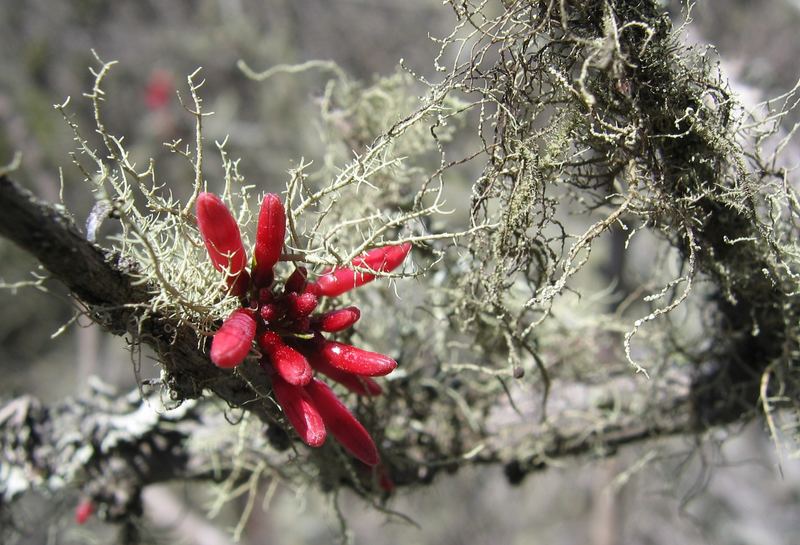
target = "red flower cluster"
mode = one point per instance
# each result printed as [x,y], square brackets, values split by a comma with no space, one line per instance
[288,332]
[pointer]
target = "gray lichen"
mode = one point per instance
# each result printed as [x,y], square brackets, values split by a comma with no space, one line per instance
[574,125]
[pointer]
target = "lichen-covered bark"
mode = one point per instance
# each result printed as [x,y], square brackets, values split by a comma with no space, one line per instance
[100,280]
[107,444]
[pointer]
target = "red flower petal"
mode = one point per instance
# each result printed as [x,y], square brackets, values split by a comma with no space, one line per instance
[337,320]
[270,233]
[271,312]
[300,411]
[342,424]
[363,386]
[311,287]
[357,361]
[384,259]
[290,364]
[222,239]
[233,340]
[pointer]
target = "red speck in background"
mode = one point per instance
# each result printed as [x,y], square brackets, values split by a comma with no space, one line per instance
[84,511]
[159,89]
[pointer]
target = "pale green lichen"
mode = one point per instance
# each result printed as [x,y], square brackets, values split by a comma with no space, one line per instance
[573,125]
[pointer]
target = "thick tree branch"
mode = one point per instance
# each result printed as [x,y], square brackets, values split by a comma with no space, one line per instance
[102,281]
[115,444]
[112,445]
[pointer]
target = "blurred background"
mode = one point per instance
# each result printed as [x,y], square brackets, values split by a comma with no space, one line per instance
[732,489]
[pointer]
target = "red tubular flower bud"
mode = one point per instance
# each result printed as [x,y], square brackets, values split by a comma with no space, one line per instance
[84,511]
[271,312]
[338,281]
[270,233]
[300,411]
[290,364]
[232,341]
[363,386]
[296,281]
[337,320]
[342,424]
[357,361]
[311,287]
[300,306]
[222,239]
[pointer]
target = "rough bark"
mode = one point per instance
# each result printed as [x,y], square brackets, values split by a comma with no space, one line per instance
[101,280]
[116,444]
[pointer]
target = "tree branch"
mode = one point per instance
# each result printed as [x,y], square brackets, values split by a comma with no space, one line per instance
[112,446]
[122,445]
[102,281]
[115,444]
